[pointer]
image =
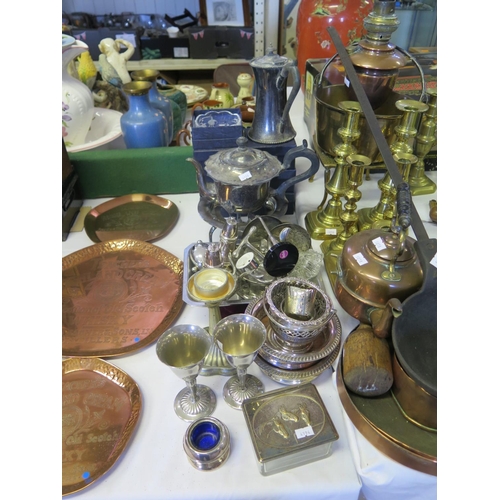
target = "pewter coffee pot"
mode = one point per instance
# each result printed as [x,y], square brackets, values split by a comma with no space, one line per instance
[271,123]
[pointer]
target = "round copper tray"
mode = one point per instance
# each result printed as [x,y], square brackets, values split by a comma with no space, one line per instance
[144,217]
[381,422]
[118,297]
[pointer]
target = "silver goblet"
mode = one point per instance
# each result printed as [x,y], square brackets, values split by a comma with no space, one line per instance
[239,337]
[183,348]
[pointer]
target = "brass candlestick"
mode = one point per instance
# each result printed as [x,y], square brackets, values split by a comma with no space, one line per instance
[349,217]
[404,162]
[324,223]
[405,131]
[426,138]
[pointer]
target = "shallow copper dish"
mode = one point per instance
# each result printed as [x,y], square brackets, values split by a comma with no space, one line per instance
[118,297]
[383,424]
[101,405]
[136,216]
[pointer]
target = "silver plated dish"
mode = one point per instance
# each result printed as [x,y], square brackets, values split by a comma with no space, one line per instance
[297,377]
[283,355]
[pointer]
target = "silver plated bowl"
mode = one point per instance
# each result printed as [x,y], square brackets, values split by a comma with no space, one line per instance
[291,329]
[286,355]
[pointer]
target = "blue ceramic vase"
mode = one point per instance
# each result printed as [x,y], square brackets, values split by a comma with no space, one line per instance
[156,99]
[143,126]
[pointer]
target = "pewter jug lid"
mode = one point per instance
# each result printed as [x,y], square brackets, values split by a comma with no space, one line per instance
[242,165]
[269,60]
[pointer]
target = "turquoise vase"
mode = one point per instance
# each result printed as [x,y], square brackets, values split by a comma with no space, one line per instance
[143,126]
[157,100]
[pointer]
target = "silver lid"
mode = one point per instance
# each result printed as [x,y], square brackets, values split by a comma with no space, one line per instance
[242,165]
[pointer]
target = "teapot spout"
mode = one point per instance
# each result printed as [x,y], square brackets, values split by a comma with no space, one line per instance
[381,319]
[201,181]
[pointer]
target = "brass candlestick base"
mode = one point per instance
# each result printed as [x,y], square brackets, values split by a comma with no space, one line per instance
[324,223]
[316,229]
[381,215]
[419,183]
[349,217]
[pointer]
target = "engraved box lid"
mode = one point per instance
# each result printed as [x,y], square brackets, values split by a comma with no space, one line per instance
[289,427]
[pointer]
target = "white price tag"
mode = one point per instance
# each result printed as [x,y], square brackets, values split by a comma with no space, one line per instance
[331,231]
[434,260]
[246,175]
[181,52]
[379,243]
[347,82]
[360,259]
[304,432]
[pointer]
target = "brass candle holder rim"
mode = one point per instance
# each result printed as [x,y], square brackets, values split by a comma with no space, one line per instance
[352,106]
[358,159]
[145,74]
[405,158]
[411,105]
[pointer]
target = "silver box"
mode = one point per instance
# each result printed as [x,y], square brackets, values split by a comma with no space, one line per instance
[289,427]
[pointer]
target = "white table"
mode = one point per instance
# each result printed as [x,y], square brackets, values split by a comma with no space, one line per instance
[154,465]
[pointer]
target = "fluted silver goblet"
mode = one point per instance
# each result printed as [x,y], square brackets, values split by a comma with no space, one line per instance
[239,337]
[183,348]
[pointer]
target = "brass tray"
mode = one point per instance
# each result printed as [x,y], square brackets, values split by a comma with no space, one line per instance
[381,422]
[136,216]
[101,405]
[118,297]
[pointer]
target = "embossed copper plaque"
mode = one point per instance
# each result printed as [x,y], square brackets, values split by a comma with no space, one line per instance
[100,409]
[136,216]
[118,297]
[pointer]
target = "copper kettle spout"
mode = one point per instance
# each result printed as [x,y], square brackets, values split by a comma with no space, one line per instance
[381,319]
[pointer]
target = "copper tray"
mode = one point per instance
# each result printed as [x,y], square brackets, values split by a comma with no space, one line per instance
[101,405]
[384,426]
[118,297]
[136,216]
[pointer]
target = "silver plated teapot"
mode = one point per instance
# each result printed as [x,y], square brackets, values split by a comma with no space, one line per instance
[238,179]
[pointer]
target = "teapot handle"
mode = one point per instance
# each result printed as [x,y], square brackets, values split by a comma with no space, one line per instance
[299,151]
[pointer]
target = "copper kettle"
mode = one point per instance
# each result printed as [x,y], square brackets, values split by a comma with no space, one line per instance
[376,266]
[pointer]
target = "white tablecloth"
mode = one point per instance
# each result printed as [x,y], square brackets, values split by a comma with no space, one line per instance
[154,465]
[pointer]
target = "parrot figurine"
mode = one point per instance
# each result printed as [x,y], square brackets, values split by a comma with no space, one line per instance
[109,73]
[87,72]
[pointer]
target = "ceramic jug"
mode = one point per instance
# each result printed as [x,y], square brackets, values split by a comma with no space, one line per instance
[77,100]
[221,92]
[271,123]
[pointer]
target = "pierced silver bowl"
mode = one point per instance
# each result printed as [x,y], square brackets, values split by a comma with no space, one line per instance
[291,329]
